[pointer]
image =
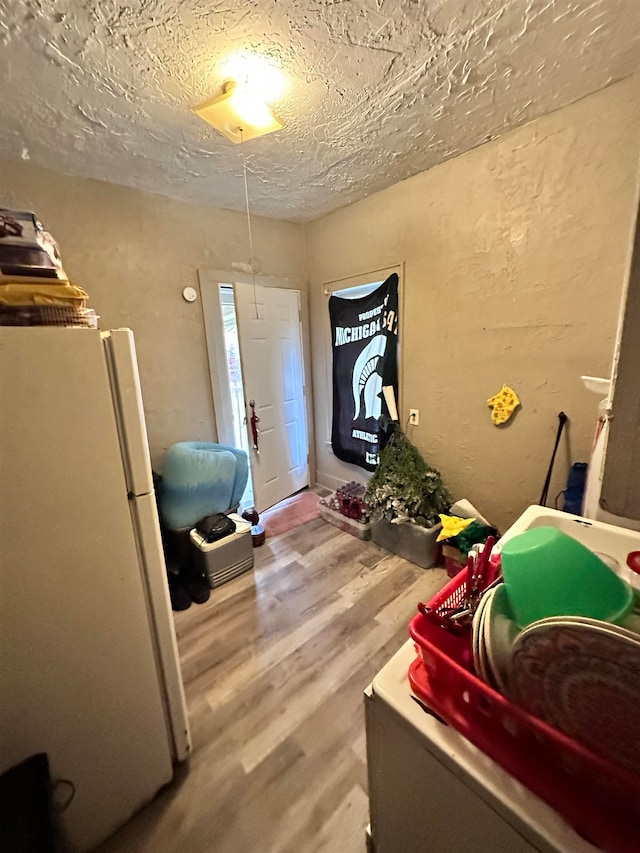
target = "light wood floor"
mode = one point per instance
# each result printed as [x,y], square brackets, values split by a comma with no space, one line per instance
[274,668]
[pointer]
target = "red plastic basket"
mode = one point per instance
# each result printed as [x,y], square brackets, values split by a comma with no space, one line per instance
[599,799]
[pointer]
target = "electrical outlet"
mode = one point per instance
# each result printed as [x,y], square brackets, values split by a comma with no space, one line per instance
[414,417]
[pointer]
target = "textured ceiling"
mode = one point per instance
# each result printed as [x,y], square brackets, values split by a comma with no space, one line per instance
[379,89]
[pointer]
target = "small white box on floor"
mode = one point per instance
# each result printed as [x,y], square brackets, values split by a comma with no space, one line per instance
[228,557]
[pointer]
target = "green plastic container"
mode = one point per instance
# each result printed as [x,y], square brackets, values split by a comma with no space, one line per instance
[548,573]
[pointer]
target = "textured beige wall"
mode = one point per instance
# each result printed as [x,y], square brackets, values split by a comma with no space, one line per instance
[134,252]
[515,255]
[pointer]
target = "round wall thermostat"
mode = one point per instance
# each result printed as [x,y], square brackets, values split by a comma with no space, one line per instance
[190,294]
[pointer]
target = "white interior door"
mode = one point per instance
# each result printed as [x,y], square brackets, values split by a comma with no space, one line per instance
[272,366]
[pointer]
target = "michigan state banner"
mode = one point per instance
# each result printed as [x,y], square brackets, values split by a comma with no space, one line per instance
[364,335]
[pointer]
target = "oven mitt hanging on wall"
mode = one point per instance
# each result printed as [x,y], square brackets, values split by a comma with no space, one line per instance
[503,404]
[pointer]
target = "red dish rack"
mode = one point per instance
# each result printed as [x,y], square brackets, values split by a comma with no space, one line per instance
[599,799]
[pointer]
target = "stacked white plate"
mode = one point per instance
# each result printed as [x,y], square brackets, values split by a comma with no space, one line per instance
[494,633]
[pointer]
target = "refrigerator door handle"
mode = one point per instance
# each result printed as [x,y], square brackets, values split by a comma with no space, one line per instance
[147,532]
[122,367]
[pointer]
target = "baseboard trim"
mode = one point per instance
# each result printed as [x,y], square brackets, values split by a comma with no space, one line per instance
[329,481]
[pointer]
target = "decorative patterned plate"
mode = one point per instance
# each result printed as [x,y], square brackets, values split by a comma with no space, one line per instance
[583,677]
[598,624]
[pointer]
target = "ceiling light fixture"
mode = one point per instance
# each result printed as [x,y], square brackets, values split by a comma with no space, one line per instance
[239,113]
[260,73]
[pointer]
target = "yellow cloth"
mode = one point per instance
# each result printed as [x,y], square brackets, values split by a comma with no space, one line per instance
[452,525]
[504,404]
[45,293]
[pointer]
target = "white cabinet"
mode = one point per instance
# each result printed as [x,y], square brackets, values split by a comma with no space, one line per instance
[431,791]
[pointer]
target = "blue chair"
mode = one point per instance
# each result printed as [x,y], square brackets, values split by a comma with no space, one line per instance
[198,479]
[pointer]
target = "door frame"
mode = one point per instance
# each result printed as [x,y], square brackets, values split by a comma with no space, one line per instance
[210,280]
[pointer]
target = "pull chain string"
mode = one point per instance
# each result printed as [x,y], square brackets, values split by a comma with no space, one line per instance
[246,198]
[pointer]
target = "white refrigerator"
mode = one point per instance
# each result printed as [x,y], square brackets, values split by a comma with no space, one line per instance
[89,669]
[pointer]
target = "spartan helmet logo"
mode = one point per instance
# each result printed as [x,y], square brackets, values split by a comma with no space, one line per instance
[366,378]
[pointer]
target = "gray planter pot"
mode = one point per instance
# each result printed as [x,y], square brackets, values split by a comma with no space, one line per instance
[416,544]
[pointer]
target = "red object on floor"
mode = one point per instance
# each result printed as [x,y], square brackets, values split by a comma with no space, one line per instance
[258,535]
[599,799]
[454,560]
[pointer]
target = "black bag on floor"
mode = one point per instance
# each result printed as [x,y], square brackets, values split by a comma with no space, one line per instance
[215,527]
